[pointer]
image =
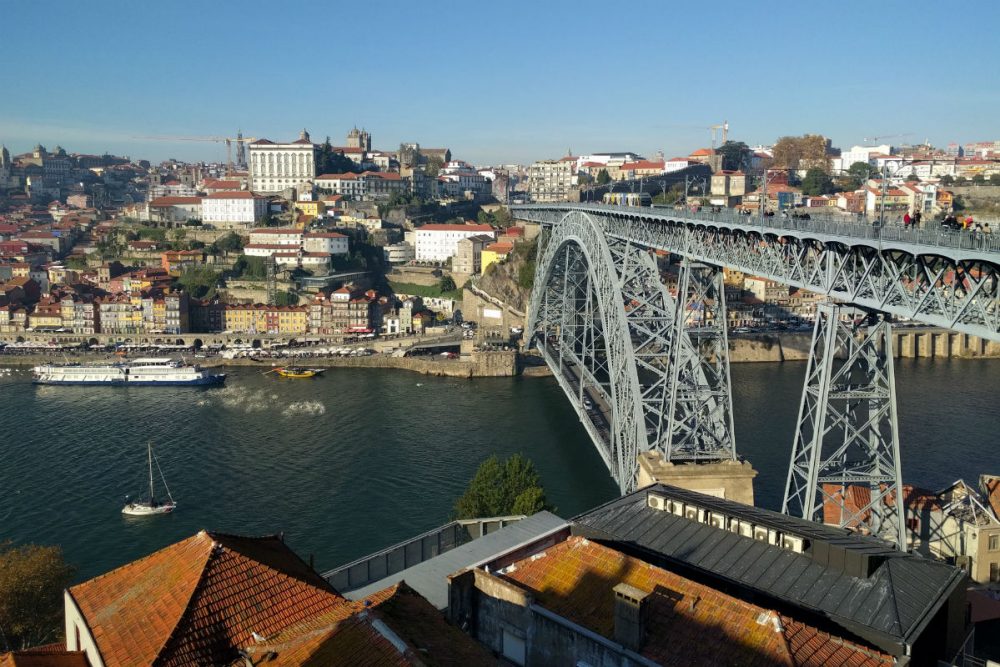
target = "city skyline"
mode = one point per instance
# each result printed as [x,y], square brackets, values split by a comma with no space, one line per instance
[513,87]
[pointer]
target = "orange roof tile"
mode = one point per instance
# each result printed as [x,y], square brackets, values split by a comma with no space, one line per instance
[689,623]
[44,656]
[200,599]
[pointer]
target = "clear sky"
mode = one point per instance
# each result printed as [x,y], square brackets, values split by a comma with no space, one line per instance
[496,82]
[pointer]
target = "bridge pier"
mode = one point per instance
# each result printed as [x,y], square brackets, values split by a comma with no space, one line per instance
[845,465]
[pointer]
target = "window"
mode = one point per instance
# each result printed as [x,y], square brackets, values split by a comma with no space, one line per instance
[994,572]
[994,542]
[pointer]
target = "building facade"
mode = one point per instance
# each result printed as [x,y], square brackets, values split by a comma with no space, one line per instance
[550,180]
[276,167]
[438,243]
[233,209]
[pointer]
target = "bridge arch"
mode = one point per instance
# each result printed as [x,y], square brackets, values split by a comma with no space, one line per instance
[576,244]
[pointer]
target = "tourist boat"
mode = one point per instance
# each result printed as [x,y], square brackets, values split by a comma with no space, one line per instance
[138,372]
[297,372]
[151,506]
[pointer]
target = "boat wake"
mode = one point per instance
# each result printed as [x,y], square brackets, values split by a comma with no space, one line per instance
[305,408]
[248,401]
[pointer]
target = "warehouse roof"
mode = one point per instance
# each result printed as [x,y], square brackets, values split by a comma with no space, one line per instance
[876,592]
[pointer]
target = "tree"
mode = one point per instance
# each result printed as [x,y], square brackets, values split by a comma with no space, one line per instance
[809,150]
[602,177]
[286,299]
[32,580]
[961,180]
[199,281]
[502,489]
[912,178]
[433,166]
[329,161]
[231,242]
[994,179]
[735,155]
[978,179]
[947,179]
[816,182]
[446,284]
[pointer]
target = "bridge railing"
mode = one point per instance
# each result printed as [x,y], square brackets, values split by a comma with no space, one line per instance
[826,225]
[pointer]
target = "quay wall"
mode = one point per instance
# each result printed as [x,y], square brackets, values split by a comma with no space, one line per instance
[925,343]
[479,364]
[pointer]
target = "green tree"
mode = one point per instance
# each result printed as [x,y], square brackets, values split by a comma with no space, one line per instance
[250,268]
[912,178]
[816,182]
[526,275]
[199,281]
[735,155]
[978,179]
[961,180]
[501,489]
[32,580]
[947,179]
[446,284]
[329,161]
[286,299]
[231,242]
[602,177]
[809,148]
[994,179]
[433,166]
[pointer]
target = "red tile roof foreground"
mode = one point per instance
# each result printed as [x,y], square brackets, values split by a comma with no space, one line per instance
[689,623]
[44,657]
[197,601]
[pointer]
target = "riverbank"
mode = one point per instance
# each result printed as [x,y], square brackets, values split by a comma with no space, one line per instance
[477,365]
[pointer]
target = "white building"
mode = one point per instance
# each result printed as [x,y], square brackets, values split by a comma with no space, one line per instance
[550,180]
[287,243]
[169,210]
[437,243]
[858,154]
[399,253]
[366,185]
[237,209]
[676,164]
[328,242]
[275,167]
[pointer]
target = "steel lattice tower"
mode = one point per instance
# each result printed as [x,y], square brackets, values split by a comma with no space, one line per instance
[845,466]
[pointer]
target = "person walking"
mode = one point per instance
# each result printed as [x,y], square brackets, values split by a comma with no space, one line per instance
[906,220]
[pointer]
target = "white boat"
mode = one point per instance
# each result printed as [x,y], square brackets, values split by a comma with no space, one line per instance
[138,372]
[152,505]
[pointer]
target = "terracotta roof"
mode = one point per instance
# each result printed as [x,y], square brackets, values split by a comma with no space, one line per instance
[216,184]
[499,248]
[233,194]
[454,228]
[689,623]
[160,202]
[200,599]
[703,151]
[642,164]
[44,656]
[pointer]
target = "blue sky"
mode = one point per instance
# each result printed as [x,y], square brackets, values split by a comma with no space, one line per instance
[497,82]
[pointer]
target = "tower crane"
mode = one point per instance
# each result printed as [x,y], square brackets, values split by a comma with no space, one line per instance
[239,140]
[888,136]
[725,132]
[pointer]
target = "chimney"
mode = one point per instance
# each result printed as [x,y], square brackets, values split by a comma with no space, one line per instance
[631,610]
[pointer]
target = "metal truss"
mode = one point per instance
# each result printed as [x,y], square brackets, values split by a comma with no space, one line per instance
[942,284]
[701,406]
[607,326]
[845,466]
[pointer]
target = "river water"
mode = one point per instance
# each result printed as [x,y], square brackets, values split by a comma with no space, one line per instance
[360,459]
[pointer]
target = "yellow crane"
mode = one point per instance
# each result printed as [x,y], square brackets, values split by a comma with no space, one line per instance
[239,140]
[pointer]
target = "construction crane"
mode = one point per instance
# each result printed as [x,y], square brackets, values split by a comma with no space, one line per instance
[725,132]
[888,136]
[239,140]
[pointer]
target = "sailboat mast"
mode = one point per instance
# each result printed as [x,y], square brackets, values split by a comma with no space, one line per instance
[149,452]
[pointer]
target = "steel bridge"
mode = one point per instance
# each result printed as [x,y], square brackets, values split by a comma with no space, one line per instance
[647,368]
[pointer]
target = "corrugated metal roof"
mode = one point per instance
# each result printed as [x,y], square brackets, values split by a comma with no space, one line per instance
[429,578]
[892,603]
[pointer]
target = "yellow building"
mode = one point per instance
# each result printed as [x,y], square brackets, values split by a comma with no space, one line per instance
[493,253]
[311,208]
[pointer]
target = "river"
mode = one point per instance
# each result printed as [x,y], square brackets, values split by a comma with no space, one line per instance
[360,459]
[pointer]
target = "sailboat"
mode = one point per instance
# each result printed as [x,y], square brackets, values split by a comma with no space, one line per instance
[151,506]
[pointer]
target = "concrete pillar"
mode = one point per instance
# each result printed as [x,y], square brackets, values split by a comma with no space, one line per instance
[924,345]
[732,480]
[907,346]
[941,347]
